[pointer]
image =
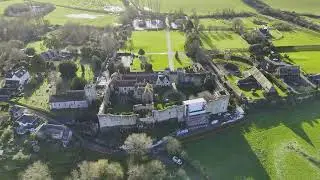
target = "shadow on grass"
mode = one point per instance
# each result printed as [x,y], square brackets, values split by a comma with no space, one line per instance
[290,116]
[227,156]
[206,39]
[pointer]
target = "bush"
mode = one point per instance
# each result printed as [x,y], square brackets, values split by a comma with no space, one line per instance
[6,135]
[20,157]
[78,83]
[141,52]
[68,69]
[282,26]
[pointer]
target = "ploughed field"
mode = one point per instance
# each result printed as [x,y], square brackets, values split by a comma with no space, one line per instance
[278,143]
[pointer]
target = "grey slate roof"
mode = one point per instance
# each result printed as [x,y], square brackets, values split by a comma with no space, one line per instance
[69,96]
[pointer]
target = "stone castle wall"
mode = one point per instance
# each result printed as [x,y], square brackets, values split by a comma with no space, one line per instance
[110,120]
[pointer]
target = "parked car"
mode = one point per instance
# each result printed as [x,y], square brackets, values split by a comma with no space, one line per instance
[177,160]
[214,122]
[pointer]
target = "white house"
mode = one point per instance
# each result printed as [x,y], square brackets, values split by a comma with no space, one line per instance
[21,75]
[69,100]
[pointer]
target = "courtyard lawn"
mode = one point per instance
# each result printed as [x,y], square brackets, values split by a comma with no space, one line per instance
[223,40]
[277,143]
[259,94]
[182,62]
[150,41]
[88,75]
[177,41]
[159,62]
[298,38]
[37,46]
[63,15]
[38,98]
[306,6]
[203,6]
[308,60]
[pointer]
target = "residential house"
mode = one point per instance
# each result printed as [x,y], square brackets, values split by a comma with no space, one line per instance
[27,123]
[21,75]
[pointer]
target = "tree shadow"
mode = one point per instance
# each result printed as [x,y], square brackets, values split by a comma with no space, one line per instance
[206,39]
[290,116]
[228,156]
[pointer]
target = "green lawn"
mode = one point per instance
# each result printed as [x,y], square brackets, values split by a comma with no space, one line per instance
[37,46]
[222,40]
[177,41]
[215,22]
[269,146]
[306,6]
[92,4]
[62,15]
[39,98]
[203,6]
[298,38]
[308,60]
[5,4]
[88,75]
[150,41]
[159,62]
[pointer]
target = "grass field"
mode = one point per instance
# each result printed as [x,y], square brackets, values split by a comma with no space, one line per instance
[5,4]
[306,6]
[222,40]
[308,60]
[151,42]
[61,15]
[92,4]
[37,46]
[278,143]
[40,97]
[298,38]
[203,6]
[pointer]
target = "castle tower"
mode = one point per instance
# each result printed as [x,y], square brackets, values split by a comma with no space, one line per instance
[91,92]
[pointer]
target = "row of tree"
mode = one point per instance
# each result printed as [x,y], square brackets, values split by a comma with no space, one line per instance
[139,167]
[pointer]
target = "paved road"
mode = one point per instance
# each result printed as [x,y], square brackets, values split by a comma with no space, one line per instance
[169,46]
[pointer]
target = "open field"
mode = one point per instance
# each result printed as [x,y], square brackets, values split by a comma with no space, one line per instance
[306,6]
[298,38]
[203,6]
[5,4]
[92,4]
[222,40]
[62,15]
[278,143]
[308,60]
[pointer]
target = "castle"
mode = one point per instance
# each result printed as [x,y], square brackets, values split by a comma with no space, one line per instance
[141,85]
